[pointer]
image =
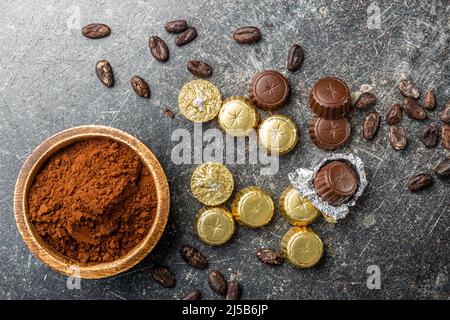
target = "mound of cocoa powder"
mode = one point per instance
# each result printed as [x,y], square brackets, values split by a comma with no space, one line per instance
[93,201]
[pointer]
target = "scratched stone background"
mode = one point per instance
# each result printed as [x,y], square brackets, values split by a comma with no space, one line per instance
[48,83]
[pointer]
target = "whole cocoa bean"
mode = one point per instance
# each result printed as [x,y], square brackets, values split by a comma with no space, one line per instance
[370,125]
[420,181]
[104,73]
[295,57]
[200,69]
[96,31]
[429,136]
[445,115]
[140,87]
[442,170]
[176,26]
[365,100]
[158,48]
[163,276]
[247,35]
[413,109]
[429,100]
[397,138]
[394,114]
[193,257]
[186,36]
[217,283]
[408,89]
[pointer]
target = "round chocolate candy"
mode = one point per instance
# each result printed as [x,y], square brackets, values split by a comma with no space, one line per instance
[212,183]
[297,210]
[277,134]
[330,98]
[199,100]
[238,116]
[253,207]
[215,225]
[329,134]
[301,247]
[269,90]
[336,182]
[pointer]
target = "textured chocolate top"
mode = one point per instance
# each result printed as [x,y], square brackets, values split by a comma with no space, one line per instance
[342,178]
[329,134]
[330,98]
[336,182]
[331,92]
[269,90]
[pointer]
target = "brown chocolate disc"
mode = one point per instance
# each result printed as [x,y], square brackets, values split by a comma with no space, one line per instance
[329,134]
[269,90]
[336,182]
[330,98]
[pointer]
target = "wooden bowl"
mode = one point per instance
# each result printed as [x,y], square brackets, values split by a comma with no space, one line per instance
[50,256]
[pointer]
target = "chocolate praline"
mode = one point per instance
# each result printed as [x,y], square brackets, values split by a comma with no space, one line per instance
[330,98]
[269,90]
[329,134]
[336,182]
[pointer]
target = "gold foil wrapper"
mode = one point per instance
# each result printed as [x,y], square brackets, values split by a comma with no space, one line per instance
[238,116]
[199,100]
[277,134]
[212,183]
[302,247]
[253,207]
[215,225]
[297,210]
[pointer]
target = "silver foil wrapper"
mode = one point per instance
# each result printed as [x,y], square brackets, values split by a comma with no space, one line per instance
[302,179]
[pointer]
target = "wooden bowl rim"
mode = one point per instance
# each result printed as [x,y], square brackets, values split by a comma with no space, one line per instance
[50,256]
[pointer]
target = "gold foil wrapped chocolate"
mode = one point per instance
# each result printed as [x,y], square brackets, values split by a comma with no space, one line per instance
[277,134]
[297,210]
[301,247]
[238,116]
[199,100]
[212,183]
[215,225]
[253,207]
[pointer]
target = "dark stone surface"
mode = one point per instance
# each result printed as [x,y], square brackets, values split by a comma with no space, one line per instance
[48,84]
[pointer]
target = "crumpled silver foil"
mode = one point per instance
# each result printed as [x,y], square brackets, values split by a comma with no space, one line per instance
[302,179]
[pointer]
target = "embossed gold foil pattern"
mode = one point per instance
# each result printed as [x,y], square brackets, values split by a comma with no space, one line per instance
[199,100]
[215,225]
[238,116]
[253,207]
[277,134]
[302,247]
[297,210]
[212,183]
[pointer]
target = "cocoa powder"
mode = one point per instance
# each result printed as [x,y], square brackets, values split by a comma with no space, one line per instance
[93,201]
